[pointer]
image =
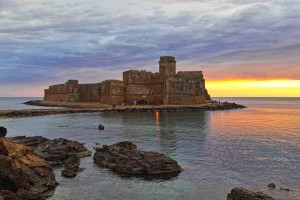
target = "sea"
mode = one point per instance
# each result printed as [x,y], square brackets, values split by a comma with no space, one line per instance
[218,150]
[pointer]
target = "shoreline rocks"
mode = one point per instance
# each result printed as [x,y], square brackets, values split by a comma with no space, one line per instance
[124,158]
[56,152]
[23,174]
[244,194]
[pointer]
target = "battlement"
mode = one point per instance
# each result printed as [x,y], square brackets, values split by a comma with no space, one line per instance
[190,75]
[113,81]
[164,59]
[142,77]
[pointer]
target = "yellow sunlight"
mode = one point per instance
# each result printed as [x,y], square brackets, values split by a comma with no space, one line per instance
[254,88]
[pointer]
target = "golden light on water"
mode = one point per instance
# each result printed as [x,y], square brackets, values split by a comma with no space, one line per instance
[254,88]
[157,116]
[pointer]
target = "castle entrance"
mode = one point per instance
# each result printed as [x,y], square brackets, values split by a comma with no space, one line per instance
[142,102]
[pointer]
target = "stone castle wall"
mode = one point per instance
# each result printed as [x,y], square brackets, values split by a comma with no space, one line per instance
[112,92]
[89,92]
[142,86]
[138,86]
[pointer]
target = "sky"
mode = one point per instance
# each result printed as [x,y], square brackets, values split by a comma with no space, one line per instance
[243,47]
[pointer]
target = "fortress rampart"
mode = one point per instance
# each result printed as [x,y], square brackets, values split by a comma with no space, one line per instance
[138,87]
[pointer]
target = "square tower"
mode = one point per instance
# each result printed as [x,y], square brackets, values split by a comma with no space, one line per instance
[167,66]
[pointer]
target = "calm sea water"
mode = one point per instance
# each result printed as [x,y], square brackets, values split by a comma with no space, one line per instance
[218,150]
[16,103]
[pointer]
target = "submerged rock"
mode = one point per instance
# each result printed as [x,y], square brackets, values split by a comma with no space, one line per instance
[56,151]
[3,132]
[125,158]
[23,175]
[243,194]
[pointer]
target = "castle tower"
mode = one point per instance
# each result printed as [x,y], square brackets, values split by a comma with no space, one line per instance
[167,66]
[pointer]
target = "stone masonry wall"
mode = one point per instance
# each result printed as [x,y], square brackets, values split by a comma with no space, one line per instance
[89,92]
[112,92]
[143,86]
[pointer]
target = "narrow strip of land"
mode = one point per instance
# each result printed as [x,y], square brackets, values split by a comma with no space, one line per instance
[95,107]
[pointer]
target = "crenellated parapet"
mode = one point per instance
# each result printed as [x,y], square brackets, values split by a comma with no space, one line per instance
[142,77]
[190,75]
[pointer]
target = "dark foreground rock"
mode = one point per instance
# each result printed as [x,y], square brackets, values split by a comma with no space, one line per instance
[243,194]
[125,158]
[3,132]
[23,174]
[56,152]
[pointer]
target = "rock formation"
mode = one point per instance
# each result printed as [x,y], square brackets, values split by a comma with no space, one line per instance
[243,194]
[23,175]
[125,158]
[56,151]
[3,132]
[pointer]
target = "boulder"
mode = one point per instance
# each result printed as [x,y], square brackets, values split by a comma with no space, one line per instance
[23,174]
[3,132]
[101,127]
[68,173]
[125,158]
[243,194]
[71,166]
[56,151]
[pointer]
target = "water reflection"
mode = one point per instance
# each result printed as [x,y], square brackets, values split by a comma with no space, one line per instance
[173,134]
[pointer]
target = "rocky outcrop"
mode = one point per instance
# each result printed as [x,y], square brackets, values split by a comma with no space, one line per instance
[56,152]
[125,158]
[3,132]
[23,174]
[243,194]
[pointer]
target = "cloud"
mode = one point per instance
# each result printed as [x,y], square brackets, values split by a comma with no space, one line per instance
[41,40]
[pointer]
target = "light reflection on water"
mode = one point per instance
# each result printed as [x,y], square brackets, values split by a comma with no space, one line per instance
[217,150]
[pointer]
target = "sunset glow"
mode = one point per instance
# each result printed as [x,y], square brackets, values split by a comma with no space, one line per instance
[254,88]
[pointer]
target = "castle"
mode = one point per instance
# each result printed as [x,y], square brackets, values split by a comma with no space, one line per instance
[138,87]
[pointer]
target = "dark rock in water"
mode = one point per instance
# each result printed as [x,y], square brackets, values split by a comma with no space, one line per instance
[243,194]
[101,127]
[23,175]
[56,151]
[68,173]
[3,132]
[125,158]
[72,163]
[272,185]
